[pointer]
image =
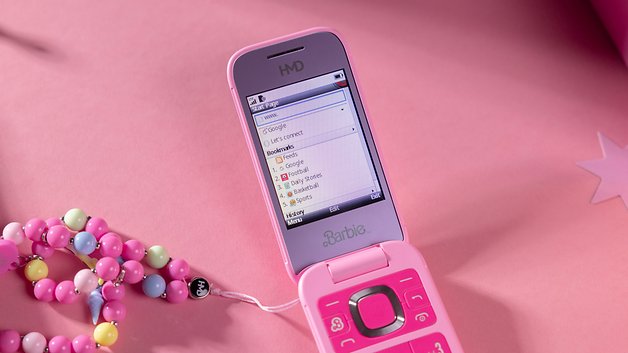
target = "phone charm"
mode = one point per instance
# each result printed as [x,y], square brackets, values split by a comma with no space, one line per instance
[110,265]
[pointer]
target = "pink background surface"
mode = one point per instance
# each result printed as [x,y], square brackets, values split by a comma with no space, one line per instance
[481,108]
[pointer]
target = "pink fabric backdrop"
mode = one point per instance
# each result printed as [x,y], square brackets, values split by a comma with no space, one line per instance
[482,109]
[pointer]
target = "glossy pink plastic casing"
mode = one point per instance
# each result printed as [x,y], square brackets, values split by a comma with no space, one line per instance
[316,281]
[251,144]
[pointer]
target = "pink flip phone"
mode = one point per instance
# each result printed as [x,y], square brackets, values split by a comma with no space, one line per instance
[362,286]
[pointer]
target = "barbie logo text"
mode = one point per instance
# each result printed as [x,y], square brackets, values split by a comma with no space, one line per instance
[331,238]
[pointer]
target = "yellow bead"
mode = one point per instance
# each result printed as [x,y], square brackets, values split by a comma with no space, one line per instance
[36,270]
[106,334]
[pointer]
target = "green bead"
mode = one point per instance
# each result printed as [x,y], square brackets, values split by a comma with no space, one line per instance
[157,257]
[75,219]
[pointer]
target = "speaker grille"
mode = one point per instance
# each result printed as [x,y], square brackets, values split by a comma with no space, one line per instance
[285,52]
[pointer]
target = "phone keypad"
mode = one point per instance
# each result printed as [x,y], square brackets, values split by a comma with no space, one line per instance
[376,311]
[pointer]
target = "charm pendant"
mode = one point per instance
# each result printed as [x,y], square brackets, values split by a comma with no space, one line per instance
[199,288]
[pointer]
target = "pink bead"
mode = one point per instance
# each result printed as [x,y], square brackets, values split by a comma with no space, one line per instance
[133,250]
[114,310]
[42,249]
[45,290]
[9,341]
[178,269]
[34,228]
[83,344]
[85,281]
[176,291]
[59,344]
[14,232]
[51,222]
[112,292]
[133,271]
[65,293]
[97,226]
[110,245]
[107,268]
[58,236]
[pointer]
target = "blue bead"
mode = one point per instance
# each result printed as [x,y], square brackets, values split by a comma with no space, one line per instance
[95,302]
[154,286]
[85,243]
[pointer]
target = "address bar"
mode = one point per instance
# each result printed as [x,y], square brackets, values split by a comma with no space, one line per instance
[299,108]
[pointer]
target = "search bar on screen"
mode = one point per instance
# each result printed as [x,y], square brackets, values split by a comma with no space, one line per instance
[300,108]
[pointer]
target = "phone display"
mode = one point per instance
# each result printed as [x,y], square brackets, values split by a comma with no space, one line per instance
[315,149]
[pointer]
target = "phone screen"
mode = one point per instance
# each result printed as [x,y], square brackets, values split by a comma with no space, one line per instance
[315,149]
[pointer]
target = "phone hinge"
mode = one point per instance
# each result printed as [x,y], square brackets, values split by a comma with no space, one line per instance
[357,264]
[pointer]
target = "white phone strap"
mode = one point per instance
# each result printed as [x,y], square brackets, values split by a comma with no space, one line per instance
[252,300]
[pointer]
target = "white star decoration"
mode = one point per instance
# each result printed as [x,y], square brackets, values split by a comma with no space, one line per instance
[613,169]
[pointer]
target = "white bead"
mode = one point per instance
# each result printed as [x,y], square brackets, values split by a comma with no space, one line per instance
[34,342]
[14,232]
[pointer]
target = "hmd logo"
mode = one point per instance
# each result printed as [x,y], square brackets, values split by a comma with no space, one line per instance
[286,69]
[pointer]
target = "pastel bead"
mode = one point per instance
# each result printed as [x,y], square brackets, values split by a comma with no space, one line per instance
[85,242]
[9,341]
[58,236]
[114,311]
[106,334]
[95,302]
[45,290]
[176,292]
[133,250]
[54,221]
[75,219]
[178,269]
[157,257]
[85,281]
[97,226]
[8,255]
[60,344]
[133,271]
[112,292]
[110,245]
[42,249]
[83,344]
[34,342]
[36,270]
[64,292]
[107,268]
[34,229]
[13,232]
[154,286]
